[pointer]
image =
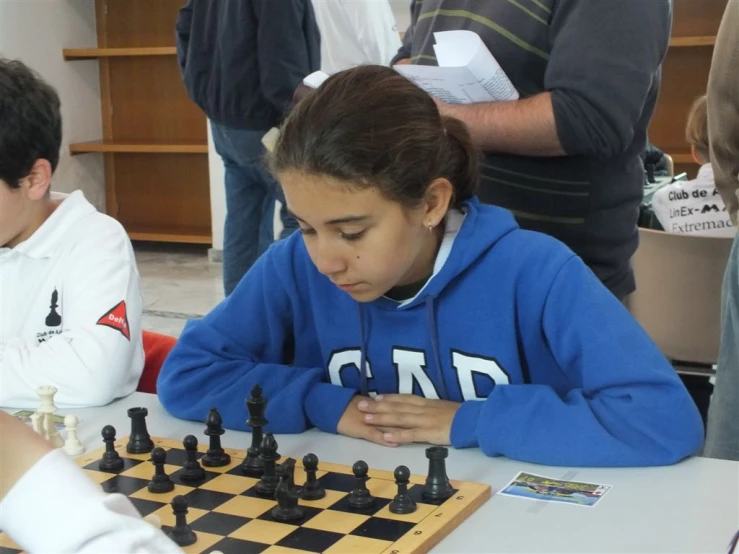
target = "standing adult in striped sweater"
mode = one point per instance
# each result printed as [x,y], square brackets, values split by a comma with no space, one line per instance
[565,157]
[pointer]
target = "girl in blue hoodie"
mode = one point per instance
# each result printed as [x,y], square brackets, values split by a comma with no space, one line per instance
[405,311]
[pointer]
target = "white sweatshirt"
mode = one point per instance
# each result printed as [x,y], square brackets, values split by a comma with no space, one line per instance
[56,509]
[693,207]
[70,311]
[355,32]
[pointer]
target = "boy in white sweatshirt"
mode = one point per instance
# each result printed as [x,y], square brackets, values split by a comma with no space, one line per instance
[70,298]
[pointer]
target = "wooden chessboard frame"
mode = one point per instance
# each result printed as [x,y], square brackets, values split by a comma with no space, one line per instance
[431,522]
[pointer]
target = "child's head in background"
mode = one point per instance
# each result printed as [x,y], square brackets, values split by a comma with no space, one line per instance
[370,168]
[30,139]
[696,131]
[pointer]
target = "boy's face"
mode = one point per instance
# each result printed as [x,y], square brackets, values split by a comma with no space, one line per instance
[364,243]
[22,209]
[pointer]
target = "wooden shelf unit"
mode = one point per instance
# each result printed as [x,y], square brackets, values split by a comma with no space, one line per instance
[133,147]
[94,53]
[685,76]
[154,140]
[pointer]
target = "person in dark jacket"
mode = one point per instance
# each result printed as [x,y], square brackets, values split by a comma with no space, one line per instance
[565,157]
[241,63]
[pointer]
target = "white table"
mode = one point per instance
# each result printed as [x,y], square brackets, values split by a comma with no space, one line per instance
[692,507]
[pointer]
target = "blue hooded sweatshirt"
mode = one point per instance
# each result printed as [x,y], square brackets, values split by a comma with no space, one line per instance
[548,365]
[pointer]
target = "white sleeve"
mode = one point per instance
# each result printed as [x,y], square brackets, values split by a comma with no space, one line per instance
[55,508]
[375,27]
[98,356]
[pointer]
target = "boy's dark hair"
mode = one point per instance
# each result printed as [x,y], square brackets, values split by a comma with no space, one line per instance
[30,122]
[370,126]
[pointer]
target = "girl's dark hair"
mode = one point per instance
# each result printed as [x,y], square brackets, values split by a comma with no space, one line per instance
[370,126]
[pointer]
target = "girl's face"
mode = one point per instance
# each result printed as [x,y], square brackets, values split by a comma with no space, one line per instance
[364,243]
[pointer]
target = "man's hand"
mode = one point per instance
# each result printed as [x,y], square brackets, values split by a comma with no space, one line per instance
[404,61]
[353,424]
[404,418]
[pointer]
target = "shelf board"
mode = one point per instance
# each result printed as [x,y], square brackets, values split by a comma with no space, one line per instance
[189,235]
[93,53]
[677,42]
[138,147]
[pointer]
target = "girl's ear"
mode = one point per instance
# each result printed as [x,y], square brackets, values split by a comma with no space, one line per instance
[437,201]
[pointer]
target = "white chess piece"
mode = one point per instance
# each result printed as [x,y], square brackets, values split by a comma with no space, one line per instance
[72,445]
[37,423]
[46,410]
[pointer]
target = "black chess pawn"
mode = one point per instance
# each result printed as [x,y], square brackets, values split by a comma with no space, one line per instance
[256,404]
[181,534]
[312,489]
[287,494]
[402,503]
[360,498]
[269,480]
[216,456]
[437,485]
[191,469]
[139,441]
[161,482]
[111,460]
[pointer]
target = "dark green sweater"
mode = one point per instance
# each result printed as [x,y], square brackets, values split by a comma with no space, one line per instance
[600,59]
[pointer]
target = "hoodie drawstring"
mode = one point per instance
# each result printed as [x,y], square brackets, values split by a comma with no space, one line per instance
[433,331]
[363,349]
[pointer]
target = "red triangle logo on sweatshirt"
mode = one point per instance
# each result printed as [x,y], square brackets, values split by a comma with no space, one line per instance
[117,319]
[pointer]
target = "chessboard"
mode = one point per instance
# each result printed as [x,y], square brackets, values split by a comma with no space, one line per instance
[229,517]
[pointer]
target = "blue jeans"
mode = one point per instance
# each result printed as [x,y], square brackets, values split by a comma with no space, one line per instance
[250,202]
[722,436]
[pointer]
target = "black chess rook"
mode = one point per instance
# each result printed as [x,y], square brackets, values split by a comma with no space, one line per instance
[215,456]
[161,482]
[256,404]
[360,497]
[181,534]
[111,460]
[192,471]
[402,503]
[312,489]
[437,485]
[268,483]
[139,441]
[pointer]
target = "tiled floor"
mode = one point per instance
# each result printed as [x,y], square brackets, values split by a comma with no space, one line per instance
[178,283]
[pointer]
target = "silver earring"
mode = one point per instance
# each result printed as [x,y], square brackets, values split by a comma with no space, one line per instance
[430,227]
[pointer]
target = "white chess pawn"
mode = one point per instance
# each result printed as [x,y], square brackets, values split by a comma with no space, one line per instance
[72,445]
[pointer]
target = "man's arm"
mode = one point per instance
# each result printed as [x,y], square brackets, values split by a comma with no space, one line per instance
[603,60]
[524,127]
[284,50]
[182,29]
[723,108]
[99,352]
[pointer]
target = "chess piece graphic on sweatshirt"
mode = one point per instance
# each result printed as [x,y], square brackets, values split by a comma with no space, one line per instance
[54,319]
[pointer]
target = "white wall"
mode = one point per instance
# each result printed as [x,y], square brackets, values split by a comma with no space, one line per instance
[36,31]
